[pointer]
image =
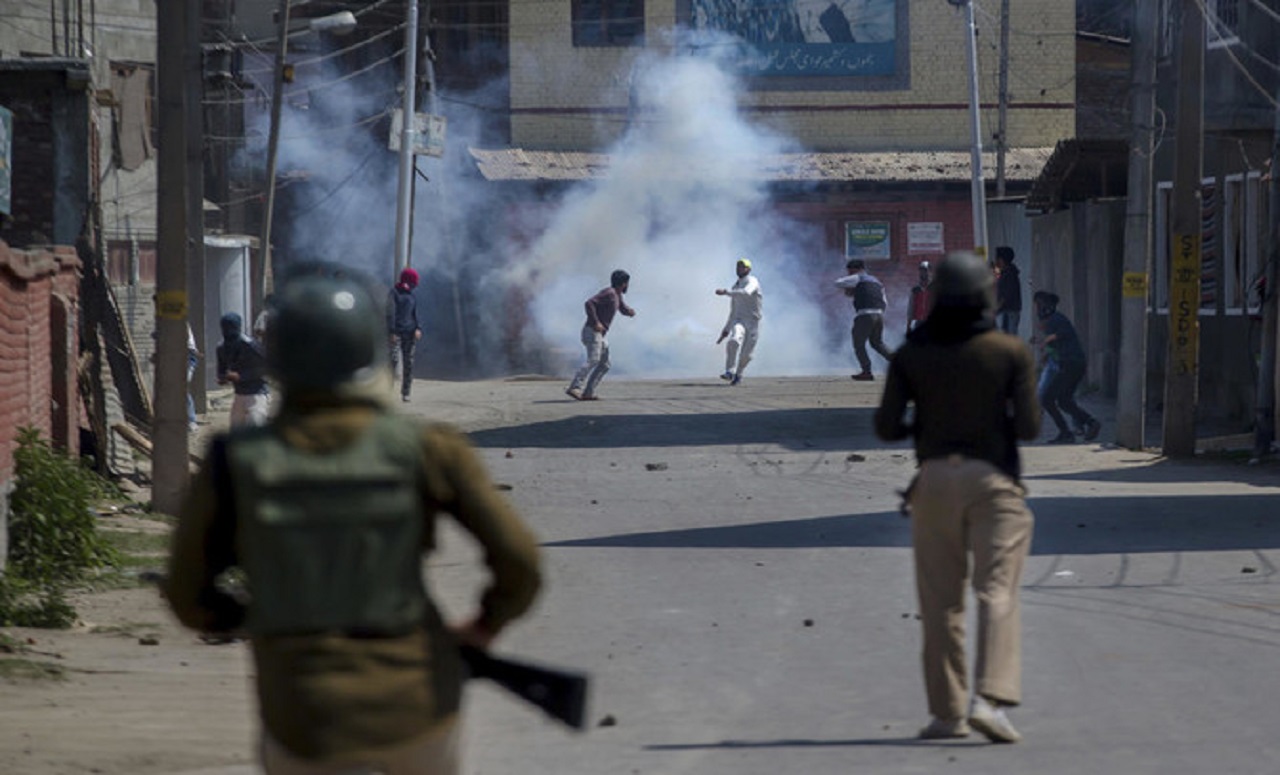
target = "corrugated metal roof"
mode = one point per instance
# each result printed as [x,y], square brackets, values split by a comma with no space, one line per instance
[1021,165]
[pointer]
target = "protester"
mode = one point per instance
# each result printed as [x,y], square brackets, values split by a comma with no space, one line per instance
[242,364]
[918,305]
[1008,291]
[600,311]
[970,393]
[193,360]
[403,330]
[869,304]
[1064,365]
[327,512]
[746,307]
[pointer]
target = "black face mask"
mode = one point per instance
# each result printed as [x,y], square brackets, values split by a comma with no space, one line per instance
[1044,311]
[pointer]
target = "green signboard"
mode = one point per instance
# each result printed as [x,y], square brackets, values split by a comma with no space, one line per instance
[867,239]
[6,161]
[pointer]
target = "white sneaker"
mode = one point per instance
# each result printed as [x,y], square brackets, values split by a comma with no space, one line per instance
[942,729]
[992,722]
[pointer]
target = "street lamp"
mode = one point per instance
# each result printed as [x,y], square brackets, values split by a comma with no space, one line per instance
[334,24]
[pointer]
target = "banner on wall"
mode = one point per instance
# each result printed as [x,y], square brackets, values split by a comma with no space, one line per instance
[806,37]
[868,240]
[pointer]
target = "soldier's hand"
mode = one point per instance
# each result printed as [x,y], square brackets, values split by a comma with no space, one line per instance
[417,334]
[721,292]
[473,633]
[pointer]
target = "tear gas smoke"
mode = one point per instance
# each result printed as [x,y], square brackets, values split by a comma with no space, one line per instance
[681,204]
[679,207]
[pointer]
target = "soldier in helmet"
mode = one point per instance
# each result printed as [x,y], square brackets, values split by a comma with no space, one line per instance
[974,396]
[328,511]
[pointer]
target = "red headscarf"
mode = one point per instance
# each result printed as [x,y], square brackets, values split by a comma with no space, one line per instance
[408,279]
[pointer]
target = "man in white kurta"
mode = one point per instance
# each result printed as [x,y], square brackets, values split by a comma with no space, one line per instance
[742,329]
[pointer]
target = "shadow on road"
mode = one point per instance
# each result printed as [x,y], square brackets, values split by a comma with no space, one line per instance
[912,742]
[1064,526]
[822,429]
[1164,470]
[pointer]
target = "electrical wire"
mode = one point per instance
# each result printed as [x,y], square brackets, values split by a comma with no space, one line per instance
[1213,20]
[340,184]
[332,54]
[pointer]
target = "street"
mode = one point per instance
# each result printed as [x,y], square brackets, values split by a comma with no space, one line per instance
[729,565]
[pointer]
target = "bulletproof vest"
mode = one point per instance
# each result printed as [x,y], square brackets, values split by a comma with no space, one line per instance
[332,541]
[868,294]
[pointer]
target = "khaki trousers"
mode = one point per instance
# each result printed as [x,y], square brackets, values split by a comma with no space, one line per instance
[436,753]
[961,506]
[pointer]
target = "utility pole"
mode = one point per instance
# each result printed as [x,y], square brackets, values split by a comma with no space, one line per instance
[1135,289]
[1182,366]
[169,431]
[978,191]
[1265,411]
[1002,125]
[194,66]
[404,198]
[264,276]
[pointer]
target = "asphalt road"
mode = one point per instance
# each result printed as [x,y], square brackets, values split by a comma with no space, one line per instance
[729,565]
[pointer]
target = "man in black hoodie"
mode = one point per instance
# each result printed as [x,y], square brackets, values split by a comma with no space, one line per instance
[974,396]
[242,364]
[1008,292]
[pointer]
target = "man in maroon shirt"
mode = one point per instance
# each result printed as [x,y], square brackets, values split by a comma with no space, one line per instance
[600,311]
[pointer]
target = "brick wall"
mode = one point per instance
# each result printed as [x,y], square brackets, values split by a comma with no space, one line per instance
[567,98]
[899,273]
[39,324]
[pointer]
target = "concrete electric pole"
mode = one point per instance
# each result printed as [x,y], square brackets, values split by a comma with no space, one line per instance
[978,191]
[1182,366]
[1135,290]
[169,430]
[1002,122]
[1265,403]
[264,277]
[404,198]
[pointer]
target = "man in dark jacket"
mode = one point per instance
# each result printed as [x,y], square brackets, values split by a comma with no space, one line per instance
[1008,292]
[328,512]
[1063,369]
[402,328]
[869,304]
[243,365]
[973,391]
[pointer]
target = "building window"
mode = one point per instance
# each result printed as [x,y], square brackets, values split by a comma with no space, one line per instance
[1222,21]
[608,23]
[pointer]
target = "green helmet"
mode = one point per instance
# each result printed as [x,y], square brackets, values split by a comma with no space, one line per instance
[964,279]
[326,332]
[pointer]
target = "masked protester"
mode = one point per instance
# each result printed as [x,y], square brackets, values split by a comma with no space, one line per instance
[600,311]
[328,512]
[972,390]
[1064,366]
[742,329]
[242,364]
[402,328]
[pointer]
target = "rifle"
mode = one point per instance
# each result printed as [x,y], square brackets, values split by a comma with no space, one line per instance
[560,693]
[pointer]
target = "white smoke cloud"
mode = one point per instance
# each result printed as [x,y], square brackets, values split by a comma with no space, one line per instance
[679,207]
